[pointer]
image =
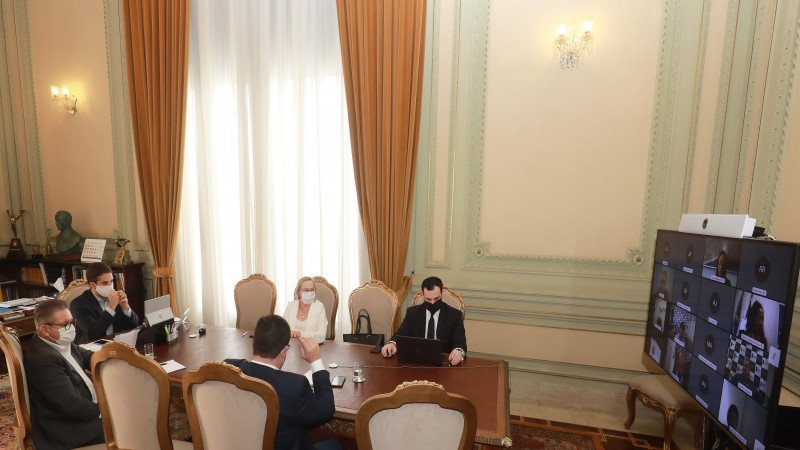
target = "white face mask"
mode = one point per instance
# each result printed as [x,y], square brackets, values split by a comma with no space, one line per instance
[66,336]
[104,291]
[308,297]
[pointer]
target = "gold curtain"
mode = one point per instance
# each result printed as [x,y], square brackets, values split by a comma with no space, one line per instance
[157,33]
[383,53]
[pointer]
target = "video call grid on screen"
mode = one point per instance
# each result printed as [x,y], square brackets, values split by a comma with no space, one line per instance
[718,324]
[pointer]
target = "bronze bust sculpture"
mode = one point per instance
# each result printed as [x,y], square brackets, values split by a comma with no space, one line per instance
[68,240]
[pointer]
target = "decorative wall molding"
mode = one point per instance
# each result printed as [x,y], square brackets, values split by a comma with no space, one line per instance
[583,372]
[478,253]
[121,133]
[432,140]
[777,114]
[722,104]
[698,95]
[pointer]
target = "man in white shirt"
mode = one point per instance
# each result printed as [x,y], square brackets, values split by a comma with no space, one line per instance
[433,319]
[301,407]
[101,310]
[63,402]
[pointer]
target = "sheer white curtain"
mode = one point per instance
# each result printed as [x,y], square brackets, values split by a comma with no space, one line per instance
[268,180]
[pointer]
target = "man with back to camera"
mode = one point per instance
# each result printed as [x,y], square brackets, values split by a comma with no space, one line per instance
[101,311]
[433,319]
[63,402]
[299,405]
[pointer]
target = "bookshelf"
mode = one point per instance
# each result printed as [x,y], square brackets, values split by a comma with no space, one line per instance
[26,277]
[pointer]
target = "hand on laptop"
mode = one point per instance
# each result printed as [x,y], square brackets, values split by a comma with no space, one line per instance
[455,357]
[389,350]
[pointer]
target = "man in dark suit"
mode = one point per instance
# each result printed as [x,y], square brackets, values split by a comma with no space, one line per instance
[300,406]
[101,311]
[433,319]
[63,403]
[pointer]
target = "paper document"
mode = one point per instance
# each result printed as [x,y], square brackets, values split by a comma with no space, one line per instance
[172,365]
[59,284]
[128,337]
[91,346]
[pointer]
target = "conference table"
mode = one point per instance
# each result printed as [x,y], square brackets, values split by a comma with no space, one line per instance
[483,381]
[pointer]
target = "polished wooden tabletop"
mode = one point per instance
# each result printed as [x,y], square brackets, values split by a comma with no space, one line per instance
[484,381]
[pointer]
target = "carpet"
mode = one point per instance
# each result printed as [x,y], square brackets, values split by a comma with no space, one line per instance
[6,413]
[526,433]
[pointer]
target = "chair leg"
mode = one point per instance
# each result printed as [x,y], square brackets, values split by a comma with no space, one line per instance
[670,416]
[631,399]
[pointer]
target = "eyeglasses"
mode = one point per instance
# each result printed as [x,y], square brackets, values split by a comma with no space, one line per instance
[64,326]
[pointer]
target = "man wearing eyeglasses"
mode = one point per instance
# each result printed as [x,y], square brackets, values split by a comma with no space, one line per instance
[433,319]
[101,310]
[63,402]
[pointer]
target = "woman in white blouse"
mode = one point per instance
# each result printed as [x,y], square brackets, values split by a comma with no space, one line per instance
[305,315]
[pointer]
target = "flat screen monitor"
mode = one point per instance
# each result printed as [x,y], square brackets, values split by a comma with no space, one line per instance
[719,319]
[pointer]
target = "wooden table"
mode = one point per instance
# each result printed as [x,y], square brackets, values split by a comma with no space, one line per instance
[484,381]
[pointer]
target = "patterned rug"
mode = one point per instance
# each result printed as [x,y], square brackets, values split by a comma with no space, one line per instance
[526,433]
[6,413]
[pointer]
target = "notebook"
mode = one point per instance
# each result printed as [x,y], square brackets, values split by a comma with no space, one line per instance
[420,351]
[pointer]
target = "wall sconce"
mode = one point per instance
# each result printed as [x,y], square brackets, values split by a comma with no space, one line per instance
[62,94]
[570,45]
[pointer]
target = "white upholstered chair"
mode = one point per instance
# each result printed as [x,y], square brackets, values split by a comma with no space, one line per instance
[380,302]
[228,409]
[329,297]
[255,297]
[402,419]
[9,344]
[73,290]
[660,392]
[133,396]
[448,296]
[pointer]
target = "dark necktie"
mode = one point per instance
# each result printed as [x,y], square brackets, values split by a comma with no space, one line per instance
[431,328]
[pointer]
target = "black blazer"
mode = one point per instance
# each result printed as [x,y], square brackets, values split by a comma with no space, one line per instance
[63,415]
[300,406]
[449,330]
[92,320]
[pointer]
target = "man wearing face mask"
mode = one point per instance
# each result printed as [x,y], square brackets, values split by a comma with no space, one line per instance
[433,319]
[101,311]
[305,315]
[63,402]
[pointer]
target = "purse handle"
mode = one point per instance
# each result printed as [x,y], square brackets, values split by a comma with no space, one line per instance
[363,314]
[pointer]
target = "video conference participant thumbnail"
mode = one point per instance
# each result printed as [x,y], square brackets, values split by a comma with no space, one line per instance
[711,346]
[666,248]
[678,363]
[662,282]
[742,416]
[758,320]
[721,260]
[705,385]
[660,315]
[656,346]
[681,326]
[686,291]
[761,273]
[748,369]
[689,258]
[717,303]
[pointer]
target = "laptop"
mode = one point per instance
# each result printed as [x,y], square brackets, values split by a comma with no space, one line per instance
[420,351]
[158,310]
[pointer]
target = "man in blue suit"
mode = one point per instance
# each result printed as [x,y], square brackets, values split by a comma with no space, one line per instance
[101,310]
[300,406]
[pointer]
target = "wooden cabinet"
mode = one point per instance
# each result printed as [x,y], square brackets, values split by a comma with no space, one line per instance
[34,277]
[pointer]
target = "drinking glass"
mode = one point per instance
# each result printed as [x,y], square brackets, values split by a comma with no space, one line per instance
[358,372]
[148,351]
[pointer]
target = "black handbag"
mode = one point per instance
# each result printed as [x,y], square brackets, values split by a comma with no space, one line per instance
[370,338]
